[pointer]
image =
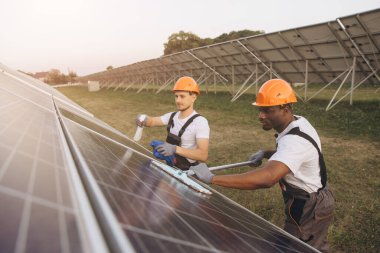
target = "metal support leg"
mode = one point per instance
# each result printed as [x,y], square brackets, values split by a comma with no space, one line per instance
[353,80]
[306,77]
[262,75]
[233,79]
[214,83]
[327,85]
[242,86]
[166,84]
[271,70]
[256,81]
[337,91]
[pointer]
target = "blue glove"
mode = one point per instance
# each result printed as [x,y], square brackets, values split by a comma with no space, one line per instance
[168,159]
[202,172]
[166,149]
[257,158]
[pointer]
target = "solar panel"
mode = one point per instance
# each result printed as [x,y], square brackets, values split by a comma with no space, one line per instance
[71,183]
[34,188]
[38,211]
[315,54]
[157,212]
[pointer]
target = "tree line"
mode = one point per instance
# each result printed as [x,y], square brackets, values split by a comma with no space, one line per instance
[180,41]
[54,76]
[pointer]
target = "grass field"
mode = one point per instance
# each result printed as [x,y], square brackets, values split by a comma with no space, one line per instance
[350,141]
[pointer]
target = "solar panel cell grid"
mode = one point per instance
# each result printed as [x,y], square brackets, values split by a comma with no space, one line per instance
[10,217]
[23,91]
[149,204]
[33,181]
[94,125]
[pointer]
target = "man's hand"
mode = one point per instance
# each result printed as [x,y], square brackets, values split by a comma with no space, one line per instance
[257,158]
[166,149]
[141,120]
[202,172]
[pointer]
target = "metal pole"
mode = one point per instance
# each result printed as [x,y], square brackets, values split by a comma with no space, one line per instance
[352,80]
[214,83]
[213,70]
[233,79]
[270,74]
[223,167]
[358,49]
[241,93]
[256,82]
[337,91]
[242,86]
[306,77]
[257,58]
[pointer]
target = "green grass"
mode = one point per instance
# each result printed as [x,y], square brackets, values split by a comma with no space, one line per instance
[350,141]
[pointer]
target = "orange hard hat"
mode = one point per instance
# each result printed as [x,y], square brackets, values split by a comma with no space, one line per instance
[186,83]
[275,92]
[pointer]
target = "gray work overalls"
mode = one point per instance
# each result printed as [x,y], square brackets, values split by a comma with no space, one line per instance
[308,215]
[179,161]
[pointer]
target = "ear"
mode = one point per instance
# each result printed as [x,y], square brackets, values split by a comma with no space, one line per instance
[288,109]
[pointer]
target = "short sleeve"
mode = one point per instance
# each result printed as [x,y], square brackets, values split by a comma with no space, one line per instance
[292,150]
[202,128]
[165,118]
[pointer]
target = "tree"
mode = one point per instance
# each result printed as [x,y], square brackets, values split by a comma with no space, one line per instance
[71,76]
[109,67]
[55,77]
[181,41]
[236,35]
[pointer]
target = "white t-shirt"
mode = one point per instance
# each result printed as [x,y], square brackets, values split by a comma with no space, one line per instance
[300,156]
[198,129]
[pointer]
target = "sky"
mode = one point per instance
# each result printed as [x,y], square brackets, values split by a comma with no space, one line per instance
[86,36]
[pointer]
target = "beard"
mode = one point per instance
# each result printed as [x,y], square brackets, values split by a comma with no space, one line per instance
[267,128]
[183,109]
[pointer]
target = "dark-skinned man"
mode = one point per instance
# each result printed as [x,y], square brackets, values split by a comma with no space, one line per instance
[188,132]
[297,165]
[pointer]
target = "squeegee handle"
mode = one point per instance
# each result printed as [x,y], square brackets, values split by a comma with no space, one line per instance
[229,166]
[223,167]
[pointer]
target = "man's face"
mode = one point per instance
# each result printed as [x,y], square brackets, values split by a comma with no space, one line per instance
[271,117]
[184,100]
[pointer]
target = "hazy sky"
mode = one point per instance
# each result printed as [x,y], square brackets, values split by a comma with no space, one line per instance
[86,36]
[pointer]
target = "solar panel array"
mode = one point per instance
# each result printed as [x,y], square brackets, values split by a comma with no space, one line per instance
[71,183]
[325,53]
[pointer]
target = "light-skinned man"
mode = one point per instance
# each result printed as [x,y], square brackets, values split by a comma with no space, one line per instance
[188,132]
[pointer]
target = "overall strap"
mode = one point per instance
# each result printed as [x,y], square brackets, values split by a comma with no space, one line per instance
[323,171]
[180,133]
[170,123]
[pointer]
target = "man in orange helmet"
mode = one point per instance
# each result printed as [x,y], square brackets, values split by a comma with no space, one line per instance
[188,132]
[297,164]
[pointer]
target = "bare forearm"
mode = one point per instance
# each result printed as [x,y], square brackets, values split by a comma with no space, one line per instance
[263,177]
[154,121]
[245,181]
[194,154]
